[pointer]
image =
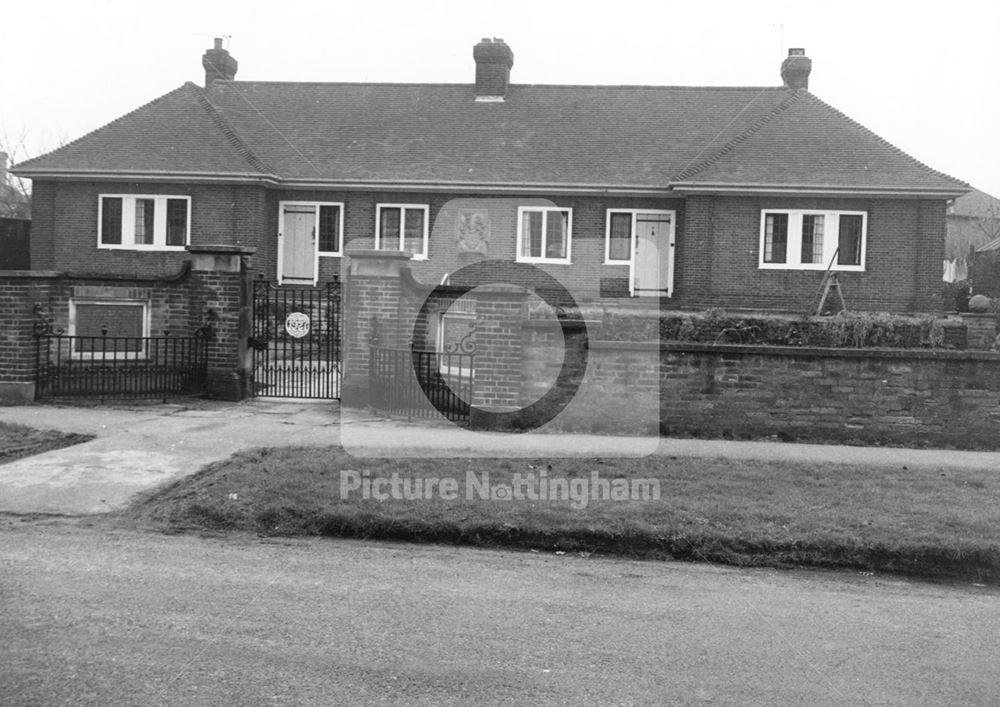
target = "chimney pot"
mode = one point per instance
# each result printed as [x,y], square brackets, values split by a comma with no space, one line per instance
[795,69]
[494,60]
[218,64]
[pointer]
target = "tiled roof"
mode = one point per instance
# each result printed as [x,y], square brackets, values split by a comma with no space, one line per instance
[809,143]
[601,136]
[976,204]
[177,132]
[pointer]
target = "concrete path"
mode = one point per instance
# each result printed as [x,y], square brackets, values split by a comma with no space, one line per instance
[142,446]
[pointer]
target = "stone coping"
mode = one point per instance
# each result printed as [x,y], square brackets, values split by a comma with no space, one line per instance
[802,351]
[39,274]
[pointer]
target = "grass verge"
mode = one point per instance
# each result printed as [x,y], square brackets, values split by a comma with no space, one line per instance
[931,523]
[17,441]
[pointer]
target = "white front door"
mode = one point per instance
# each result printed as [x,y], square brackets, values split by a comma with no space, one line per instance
[297,245]
[652,272]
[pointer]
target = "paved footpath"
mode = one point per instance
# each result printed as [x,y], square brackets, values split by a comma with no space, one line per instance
[142,446]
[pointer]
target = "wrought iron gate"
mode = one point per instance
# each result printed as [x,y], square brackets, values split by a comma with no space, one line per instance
[296,341]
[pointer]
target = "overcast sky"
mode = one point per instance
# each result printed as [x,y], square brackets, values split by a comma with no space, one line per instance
[922,75]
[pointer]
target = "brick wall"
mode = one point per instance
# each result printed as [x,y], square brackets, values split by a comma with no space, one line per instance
[20,293]
[904,397]
[65,231]
[716,253]
[904,246]
[179,306]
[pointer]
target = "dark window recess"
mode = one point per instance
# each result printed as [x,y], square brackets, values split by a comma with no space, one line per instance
[531,235]
[621,237]
[329,229]
[389,238]
[850,240]
[812,238]
[555,234]
[775,238]
[176,221]
[414,238]
[145,219]
[117,320]
[111,220]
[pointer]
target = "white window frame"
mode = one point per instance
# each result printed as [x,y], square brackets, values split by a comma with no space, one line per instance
[121,355]
[635,214]
[521,210]
[128,222]
[831,239]
[402,226]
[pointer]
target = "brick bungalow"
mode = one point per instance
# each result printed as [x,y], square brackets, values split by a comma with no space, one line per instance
[689,196]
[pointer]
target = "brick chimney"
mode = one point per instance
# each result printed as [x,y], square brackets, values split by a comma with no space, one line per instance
[219,66]
[795,69]
[494,60]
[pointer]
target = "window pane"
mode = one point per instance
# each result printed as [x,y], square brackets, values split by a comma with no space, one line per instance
[812,238]
[850,240]
[531,234]
[555,246]
[144,209]
[775,238]
[176,221]
[329,229]
[111,220]
[389,237]
[414,237]
[621,237]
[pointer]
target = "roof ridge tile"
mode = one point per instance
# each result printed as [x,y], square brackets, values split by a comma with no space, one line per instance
[755,127]
[227,129]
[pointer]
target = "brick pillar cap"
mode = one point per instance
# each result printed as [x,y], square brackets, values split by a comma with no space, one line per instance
[221,249]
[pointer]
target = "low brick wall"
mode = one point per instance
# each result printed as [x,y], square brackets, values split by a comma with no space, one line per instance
[908,397]
[213,290]
[905,397]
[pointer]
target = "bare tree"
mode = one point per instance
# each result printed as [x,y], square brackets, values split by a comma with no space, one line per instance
[987,221]
[15,192]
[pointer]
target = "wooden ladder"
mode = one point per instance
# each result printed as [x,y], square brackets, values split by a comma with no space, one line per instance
[830,283]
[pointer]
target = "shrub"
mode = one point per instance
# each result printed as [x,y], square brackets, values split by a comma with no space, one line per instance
[955,296]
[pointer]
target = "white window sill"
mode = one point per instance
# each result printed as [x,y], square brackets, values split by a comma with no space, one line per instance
[818,267]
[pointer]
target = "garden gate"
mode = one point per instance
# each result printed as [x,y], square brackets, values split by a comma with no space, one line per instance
[296,340]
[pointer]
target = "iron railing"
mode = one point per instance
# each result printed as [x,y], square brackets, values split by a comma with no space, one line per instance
[119,366]
[405,381]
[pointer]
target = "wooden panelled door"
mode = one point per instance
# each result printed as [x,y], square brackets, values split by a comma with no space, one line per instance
[652,272]
[298,245]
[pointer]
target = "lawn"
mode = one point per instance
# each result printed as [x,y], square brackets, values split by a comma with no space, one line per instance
[924,522]
[18,441]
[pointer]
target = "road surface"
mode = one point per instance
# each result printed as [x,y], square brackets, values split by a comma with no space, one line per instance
[98,615]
